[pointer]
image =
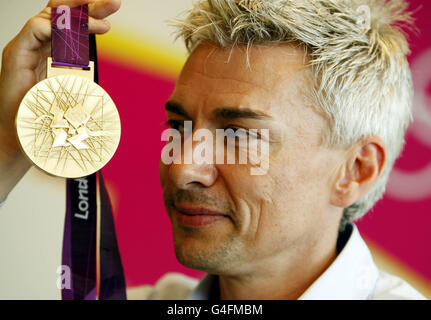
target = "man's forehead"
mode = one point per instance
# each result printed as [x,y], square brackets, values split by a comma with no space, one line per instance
[213,77]
[265,66]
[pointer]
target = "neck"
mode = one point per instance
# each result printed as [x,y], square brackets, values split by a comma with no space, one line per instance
[283,277]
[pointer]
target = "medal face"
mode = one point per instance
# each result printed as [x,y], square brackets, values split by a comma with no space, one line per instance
[68,126]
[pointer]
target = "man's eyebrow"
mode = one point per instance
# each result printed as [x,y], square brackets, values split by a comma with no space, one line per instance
[177,108]
[230,113]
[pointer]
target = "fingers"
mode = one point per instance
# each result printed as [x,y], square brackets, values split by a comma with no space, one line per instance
[98,26]
[103,8]
[37,30]
[98,9]
[70,3]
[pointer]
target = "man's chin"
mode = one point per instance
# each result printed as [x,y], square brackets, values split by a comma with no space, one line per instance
[196,256]
[197,263]
[202,255]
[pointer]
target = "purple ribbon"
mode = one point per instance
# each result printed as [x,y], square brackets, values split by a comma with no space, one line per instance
[70,40]
[79,242]
[71,48]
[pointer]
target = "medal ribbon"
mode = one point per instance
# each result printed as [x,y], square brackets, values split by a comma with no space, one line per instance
[70,38]
[79,242]
[71,47]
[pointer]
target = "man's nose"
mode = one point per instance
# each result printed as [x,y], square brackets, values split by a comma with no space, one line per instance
[192,175]
[188,176]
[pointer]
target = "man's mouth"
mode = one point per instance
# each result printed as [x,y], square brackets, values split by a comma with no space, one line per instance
[197,216]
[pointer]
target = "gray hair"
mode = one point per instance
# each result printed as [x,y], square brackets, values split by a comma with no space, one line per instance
[362,77]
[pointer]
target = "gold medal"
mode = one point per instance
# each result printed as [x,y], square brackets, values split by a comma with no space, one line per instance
[68,125]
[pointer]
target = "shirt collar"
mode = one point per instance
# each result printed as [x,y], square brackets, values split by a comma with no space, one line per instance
[203,290]
[352,275]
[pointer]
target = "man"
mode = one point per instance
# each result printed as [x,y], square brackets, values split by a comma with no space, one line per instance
[330,82]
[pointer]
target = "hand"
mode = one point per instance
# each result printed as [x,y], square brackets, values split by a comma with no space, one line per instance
[24,62]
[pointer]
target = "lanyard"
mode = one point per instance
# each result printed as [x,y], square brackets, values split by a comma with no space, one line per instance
[87,200]
[90,247]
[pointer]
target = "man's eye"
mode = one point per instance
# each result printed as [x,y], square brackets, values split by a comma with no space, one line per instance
[235,132]
[232,131]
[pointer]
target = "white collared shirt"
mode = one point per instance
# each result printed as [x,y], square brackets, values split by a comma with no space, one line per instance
[352,276]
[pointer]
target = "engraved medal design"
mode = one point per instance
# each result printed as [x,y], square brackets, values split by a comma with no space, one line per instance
[68,126]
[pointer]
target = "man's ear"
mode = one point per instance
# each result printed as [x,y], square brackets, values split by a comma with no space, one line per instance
[363,165]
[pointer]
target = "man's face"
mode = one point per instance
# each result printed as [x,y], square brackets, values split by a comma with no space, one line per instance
[224,219]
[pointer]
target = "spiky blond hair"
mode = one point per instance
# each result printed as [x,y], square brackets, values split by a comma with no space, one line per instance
[362,77]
